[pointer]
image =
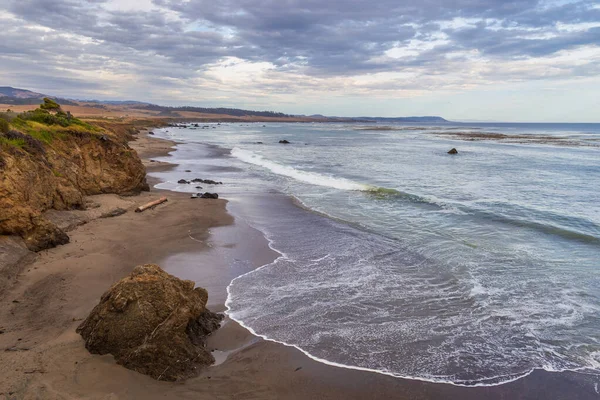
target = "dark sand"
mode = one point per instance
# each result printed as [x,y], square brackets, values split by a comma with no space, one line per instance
[41,356]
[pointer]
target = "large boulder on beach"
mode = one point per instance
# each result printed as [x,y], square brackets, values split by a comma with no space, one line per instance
[153,323]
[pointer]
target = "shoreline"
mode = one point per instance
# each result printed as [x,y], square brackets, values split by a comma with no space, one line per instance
[59,288]
[530,384]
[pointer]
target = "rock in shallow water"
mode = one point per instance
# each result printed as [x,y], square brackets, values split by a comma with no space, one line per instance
[153,323]
[453,151]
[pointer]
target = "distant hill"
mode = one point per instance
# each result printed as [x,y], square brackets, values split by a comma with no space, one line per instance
[7,91]
[426,119]
[167,111]
[117,102]
[11,95]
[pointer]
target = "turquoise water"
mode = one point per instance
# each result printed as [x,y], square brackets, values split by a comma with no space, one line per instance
[472,269]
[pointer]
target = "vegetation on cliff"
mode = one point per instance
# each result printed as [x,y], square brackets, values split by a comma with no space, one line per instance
[50,160]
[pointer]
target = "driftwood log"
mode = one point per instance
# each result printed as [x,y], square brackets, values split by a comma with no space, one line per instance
[151,204]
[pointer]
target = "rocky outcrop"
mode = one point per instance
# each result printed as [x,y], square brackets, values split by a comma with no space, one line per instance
[205,196]
[153,323]
[206,181]
[57,174]
[199,180]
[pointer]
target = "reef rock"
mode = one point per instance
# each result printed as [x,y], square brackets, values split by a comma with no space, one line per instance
[153,323]
[206,181]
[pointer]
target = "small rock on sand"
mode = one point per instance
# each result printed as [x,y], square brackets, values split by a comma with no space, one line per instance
[113,213]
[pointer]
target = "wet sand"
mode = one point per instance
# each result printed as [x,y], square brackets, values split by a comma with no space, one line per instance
[41,356]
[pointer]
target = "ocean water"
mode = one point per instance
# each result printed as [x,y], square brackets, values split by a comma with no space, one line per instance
[396,257]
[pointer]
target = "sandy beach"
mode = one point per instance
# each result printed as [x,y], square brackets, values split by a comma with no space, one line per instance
[43,358]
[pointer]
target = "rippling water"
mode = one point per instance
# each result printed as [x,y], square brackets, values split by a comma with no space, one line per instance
[472,269]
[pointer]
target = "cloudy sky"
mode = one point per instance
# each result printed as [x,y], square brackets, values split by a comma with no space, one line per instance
[500,60]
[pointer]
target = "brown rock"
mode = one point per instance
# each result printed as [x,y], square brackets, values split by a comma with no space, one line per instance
[453,151]
[113,213]
[45,235]
[152,323]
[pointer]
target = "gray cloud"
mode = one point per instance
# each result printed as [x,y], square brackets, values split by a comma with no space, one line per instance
[312,38]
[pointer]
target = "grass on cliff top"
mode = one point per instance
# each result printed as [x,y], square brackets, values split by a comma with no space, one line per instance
[46,123]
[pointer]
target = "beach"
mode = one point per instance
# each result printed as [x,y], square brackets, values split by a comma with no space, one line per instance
[43,357]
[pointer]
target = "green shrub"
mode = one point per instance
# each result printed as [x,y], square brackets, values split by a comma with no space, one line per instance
[44,117]
[4,126]
[18,139]
[50,105]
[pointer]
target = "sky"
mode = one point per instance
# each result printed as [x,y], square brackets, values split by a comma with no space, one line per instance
[487,60]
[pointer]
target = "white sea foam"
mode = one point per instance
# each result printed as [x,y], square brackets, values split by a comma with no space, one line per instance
[304,176]
[460,293]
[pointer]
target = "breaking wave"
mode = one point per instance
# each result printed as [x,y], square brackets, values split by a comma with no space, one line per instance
[304,176]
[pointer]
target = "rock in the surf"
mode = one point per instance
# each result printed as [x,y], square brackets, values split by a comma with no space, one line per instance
[182,181]
[453,151]
[153,323]
[284,141]
[206,181]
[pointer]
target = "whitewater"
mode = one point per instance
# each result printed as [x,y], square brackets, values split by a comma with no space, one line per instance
[473,269]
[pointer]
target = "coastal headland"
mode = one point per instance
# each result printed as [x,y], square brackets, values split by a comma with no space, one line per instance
[45,295]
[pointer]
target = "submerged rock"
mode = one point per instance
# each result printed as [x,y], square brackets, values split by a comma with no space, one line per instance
[206,181]
[153,323]
[453,151]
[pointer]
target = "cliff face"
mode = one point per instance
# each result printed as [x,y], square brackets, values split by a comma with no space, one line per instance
[56,173]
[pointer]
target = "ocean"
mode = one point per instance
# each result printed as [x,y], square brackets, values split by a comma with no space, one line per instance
[396,257]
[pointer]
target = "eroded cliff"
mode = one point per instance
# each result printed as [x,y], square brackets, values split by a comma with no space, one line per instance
[51,160]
